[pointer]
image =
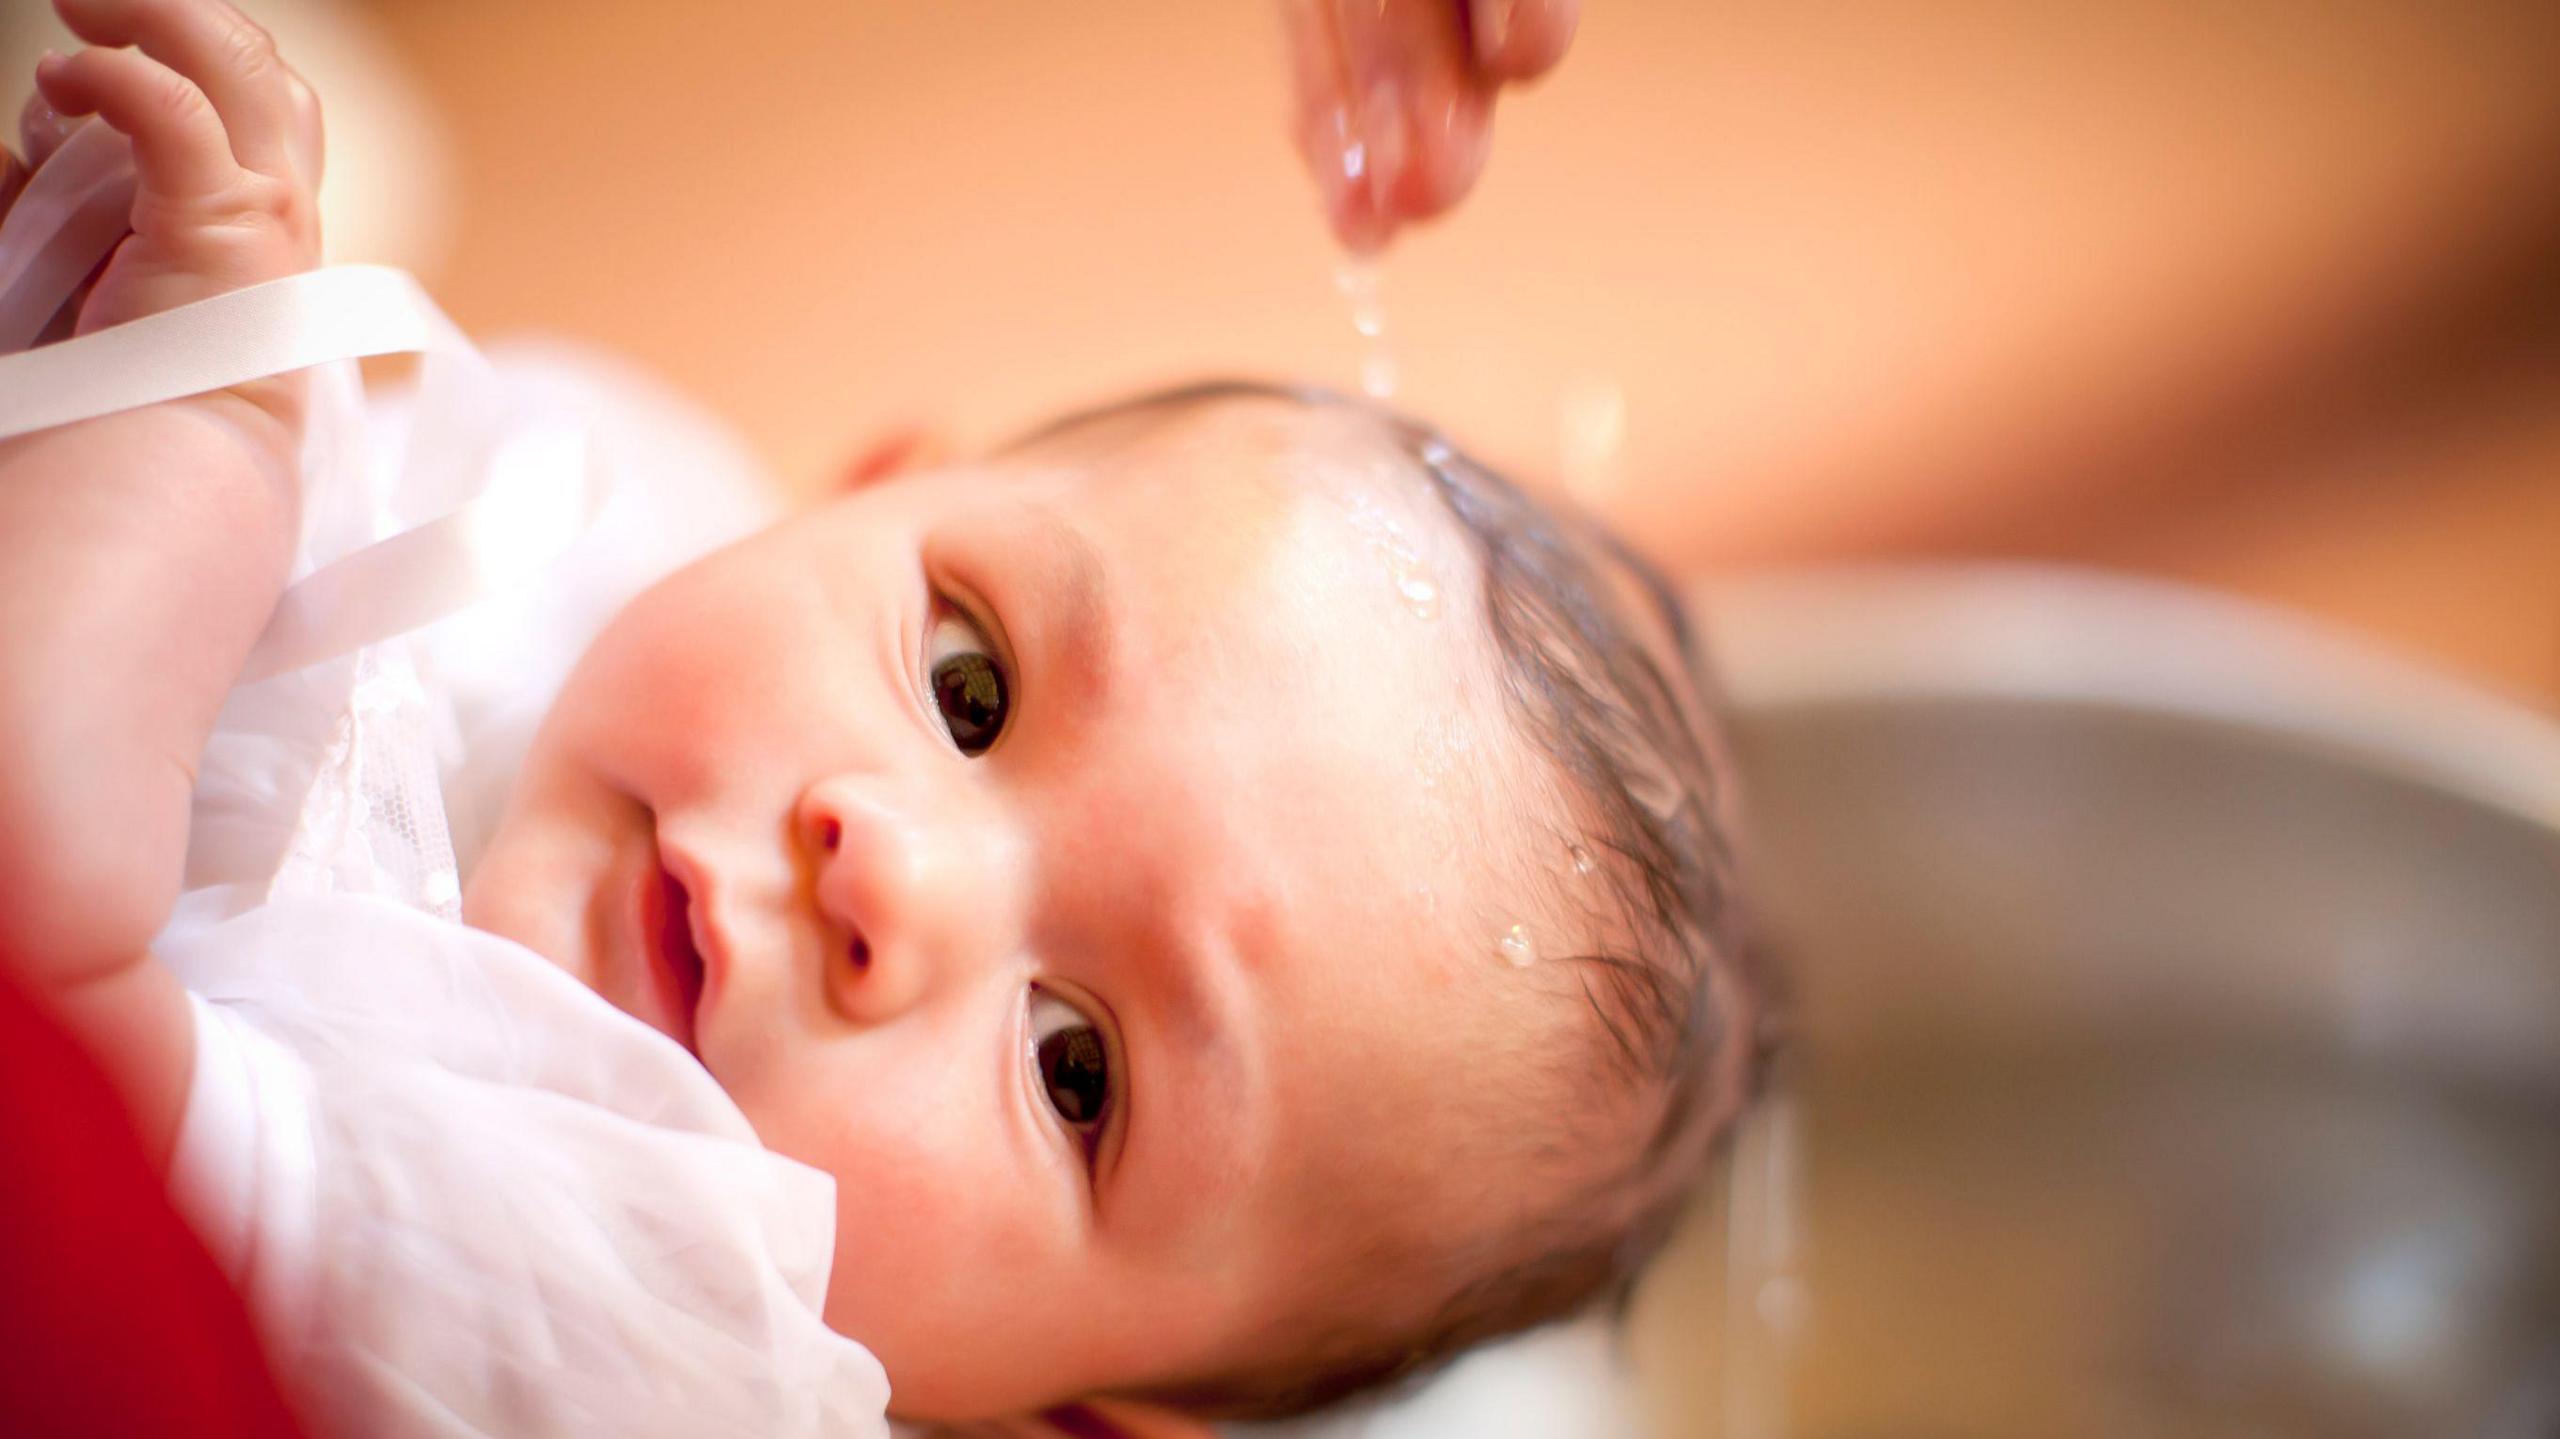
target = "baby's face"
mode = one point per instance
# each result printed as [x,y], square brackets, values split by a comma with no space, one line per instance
[1071,854]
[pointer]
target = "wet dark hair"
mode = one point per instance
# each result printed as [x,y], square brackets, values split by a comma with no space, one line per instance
[1680,1013]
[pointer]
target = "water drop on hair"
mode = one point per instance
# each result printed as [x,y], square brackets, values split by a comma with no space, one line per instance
[1582,863]
[1517,947]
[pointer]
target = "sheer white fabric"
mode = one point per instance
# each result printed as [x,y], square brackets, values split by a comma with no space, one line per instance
[466,1198]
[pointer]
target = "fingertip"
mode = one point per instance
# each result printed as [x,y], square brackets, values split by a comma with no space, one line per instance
[1360,220]
[58,86]
[1521,39]
[1450,126]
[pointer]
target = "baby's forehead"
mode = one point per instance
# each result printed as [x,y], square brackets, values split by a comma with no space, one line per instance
[1292,561]
[1254,452]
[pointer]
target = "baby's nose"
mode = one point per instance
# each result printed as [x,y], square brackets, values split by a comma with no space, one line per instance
[913,889]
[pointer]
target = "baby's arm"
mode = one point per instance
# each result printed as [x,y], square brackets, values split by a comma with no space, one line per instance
[141,553]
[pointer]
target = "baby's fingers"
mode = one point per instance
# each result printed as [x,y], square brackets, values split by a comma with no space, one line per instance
[263,105]
[179,149]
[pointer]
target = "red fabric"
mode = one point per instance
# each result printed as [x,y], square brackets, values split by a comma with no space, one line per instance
[114,1321]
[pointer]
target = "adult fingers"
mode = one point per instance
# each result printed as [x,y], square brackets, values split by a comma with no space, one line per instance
[223,53]
[1451,129]
[1520,39]
[1392,115]
[179,147]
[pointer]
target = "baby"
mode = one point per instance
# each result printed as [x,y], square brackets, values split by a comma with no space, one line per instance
[1237,896]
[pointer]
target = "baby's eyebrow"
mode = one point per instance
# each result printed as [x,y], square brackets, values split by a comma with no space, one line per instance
[1076,591]
[1204,1130]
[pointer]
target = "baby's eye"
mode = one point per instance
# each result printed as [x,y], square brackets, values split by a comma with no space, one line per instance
[968,683]
[1073,1063]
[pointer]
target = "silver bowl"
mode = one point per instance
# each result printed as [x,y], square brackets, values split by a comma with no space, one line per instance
[2178,1052]
[2179,1015]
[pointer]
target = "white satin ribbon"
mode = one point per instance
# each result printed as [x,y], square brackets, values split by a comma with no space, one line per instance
[515,490]
[70,215]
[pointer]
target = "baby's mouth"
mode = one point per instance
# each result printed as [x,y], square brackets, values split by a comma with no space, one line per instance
[675,965]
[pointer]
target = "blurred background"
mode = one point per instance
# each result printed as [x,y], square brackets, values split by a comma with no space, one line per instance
[2257,294]
[2176,919]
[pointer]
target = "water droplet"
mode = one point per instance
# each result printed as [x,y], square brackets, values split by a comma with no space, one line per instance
[1581,857]
[1430,901]
[1378,373]
[1358,281]
[1420,595]
[1517,947]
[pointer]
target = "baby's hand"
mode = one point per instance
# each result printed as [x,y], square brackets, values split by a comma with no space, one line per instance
[226,147]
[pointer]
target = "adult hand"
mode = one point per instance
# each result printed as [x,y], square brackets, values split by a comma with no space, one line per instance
[1395,98]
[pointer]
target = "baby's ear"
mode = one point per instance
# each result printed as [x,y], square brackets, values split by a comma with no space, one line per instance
[1120,1419]
[909,447]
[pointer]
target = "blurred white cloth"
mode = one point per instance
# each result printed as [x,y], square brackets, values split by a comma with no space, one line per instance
[465,1196]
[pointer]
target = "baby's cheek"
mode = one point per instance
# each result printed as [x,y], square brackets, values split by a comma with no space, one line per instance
[676,695]
[928,1270]
[923,1206]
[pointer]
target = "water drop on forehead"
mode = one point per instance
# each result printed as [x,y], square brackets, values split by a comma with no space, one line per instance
[1582,862]
[1420,595]
[1517,947]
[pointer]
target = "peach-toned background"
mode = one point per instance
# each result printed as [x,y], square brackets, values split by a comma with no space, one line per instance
[2258,293]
